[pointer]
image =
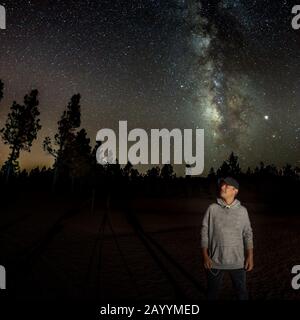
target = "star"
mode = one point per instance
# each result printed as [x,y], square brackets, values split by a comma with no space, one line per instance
[221,65]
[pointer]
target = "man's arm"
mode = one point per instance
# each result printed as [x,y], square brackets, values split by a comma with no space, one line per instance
[204,240]
[206,259]
[248,242]
[249,263]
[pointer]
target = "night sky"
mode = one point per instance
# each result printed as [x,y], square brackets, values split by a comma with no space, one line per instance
[230,67]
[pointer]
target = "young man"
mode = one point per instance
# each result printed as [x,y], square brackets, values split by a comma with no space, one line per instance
[227,241]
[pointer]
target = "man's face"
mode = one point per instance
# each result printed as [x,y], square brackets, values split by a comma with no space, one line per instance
[227,191]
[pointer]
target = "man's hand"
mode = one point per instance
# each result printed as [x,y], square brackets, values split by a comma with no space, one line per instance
[207,261]
[249,264]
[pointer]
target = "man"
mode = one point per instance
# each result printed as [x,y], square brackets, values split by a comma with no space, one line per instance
[227,241]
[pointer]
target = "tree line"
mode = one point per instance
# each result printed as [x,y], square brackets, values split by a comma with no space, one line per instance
[75,159]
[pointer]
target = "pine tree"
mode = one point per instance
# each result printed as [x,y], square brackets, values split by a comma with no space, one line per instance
[20,130]
[167,171]
[234,167]
[230,167]
[211,173]
[79,156]
[65,137]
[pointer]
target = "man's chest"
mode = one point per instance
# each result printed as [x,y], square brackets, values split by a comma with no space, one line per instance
[227,220]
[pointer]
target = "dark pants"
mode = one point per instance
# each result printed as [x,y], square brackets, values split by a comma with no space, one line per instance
[214,282]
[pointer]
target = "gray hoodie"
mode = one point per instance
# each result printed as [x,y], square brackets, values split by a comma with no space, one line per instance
[226,232]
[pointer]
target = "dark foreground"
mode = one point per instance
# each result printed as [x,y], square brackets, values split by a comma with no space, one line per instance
[148,249]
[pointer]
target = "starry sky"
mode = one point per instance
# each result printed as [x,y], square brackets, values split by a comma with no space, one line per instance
[230,67]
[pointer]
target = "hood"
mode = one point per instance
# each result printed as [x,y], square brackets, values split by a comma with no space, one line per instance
[236,203]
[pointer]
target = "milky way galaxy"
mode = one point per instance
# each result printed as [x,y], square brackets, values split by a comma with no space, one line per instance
[226,105]
[230,67]
[225,69]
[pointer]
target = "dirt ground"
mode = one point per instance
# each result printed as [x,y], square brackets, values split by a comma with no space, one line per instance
[73,264]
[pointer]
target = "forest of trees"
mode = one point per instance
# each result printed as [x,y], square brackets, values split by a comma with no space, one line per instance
[75,165]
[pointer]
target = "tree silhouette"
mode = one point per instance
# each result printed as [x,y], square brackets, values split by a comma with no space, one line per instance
[211,173]
[288,171]
[65,138]
[233,162]
[230,167]
[271,170]
[130,172]
[248,172]
[79,156]
[167,171]
[20,130]
[267,170]
[97,169]
[153,173]
[297,172]
[114,170]
[127,169]
[134,174]
[223,170]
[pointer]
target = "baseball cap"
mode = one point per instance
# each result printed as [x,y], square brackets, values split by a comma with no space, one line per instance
[230,181]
